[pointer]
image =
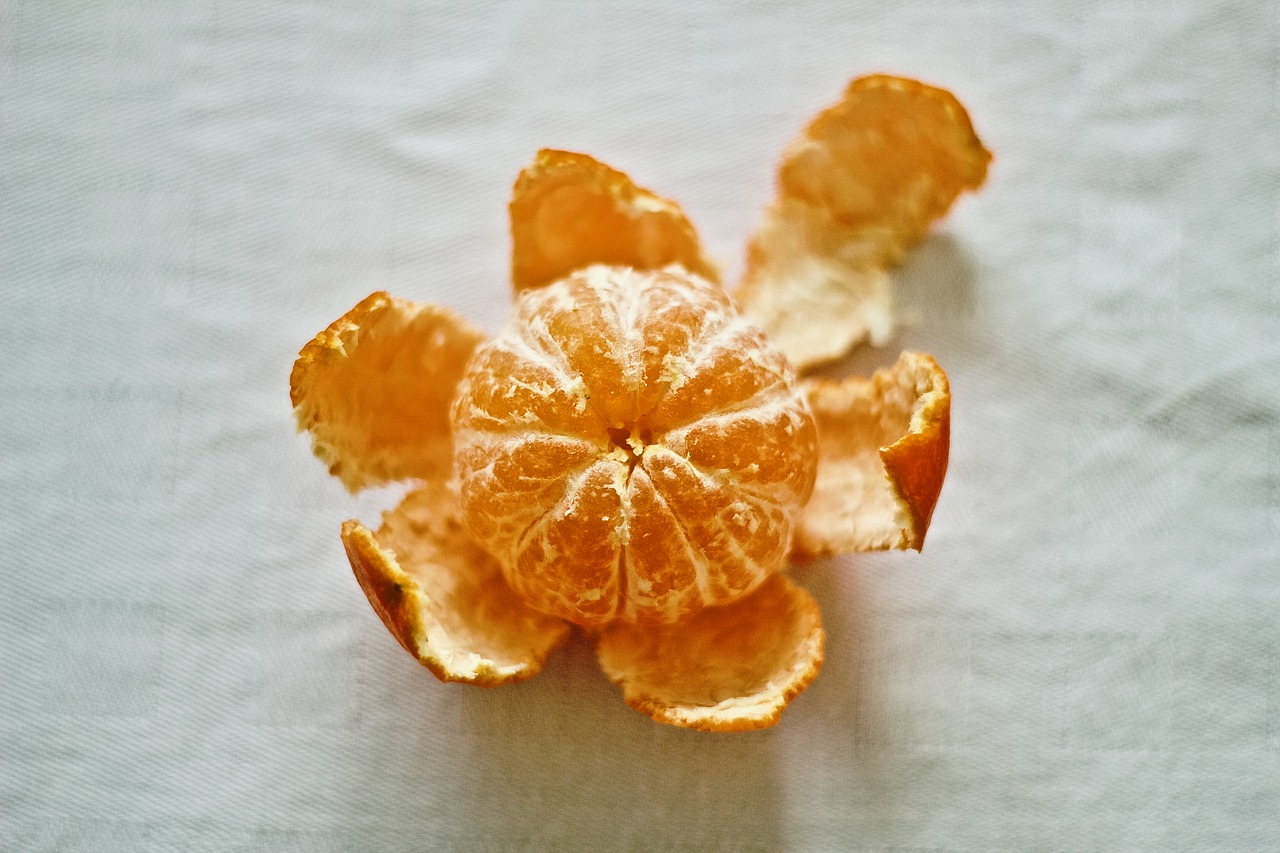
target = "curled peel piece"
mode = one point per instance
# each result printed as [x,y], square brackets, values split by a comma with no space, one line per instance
[374,389]
[569,211]
[443,598]
[729,668]
[861,185]
[882,456]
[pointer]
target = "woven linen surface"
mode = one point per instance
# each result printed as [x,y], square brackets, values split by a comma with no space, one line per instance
[1086,657]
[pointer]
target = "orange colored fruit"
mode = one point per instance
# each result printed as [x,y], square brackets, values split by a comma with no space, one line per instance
[629,447]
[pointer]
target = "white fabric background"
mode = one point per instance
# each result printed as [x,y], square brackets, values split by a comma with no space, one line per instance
[1086,656]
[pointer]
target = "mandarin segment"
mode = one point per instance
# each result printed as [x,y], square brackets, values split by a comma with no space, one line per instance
[514,481]
[514,386]
[764,446]
[375,387]
[585,330]
[632,346]
[713,376]
[861,185]
[883,447]
[665,573]
[685,489]
[569,211]
[729,668]
[567,564]
[677,329]
[740,537]
[443,598]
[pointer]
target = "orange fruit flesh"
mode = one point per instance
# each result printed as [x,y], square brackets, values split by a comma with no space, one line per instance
[630,448]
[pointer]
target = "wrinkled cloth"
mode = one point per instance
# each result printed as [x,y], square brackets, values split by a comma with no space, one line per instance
[1085,657]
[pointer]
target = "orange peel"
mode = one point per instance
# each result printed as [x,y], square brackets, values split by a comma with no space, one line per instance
[860,186]
[730,668]
[631,454]
[374,389]
[443,598]
[569,211]
[883,445]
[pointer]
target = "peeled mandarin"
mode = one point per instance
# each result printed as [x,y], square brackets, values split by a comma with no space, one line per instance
[630,448]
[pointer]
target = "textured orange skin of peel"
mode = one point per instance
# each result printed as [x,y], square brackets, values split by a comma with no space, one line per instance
[388,589]
[917,466]
[629,448]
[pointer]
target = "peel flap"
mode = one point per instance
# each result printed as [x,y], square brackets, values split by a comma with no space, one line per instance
[728,668]
[569,211]
[444,599]
[860,186]
[374,389]
[883,444]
